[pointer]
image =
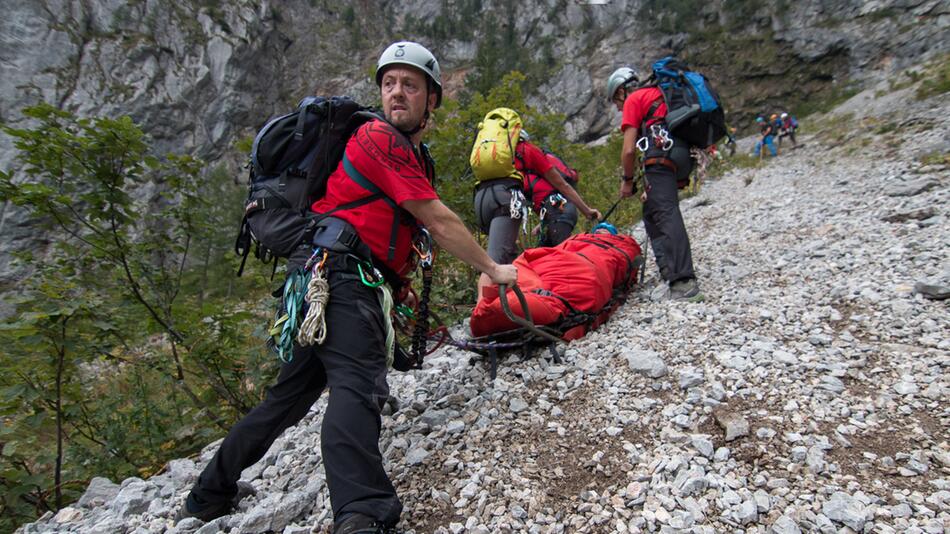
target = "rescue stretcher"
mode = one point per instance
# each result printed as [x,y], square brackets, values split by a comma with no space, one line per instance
[562,293]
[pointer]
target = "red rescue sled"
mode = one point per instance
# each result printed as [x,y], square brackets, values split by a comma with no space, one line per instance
[570,288]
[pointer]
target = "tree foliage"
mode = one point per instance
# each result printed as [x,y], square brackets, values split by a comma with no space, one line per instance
[116,359]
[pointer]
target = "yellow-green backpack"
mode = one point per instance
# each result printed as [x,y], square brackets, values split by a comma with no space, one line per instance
[493,154]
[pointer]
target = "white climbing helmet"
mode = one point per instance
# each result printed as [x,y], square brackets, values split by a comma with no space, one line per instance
[415,55]
[624,76]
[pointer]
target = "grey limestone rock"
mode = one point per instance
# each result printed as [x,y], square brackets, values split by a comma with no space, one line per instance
[844,509]
[703,445]
[733,424]
[913,187]
[690,377]
[416,455]
[134,498]
[646,362]
[517,405]
[100,491]
[784,525]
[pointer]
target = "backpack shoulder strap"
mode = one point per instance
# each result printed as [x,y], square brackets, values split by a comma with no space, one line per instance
[650,113]
[378,194]
[530,191]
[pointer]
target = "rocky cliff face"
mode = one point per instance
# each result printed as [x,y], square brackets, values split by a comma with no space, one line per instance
[197,75]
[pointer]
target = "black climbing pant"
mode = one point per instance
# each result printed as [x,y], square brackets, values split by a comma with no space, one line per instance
[351,362]
[662,219]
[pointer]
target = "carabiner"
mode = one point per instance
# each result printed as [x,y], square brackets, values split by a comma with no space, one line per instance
[323,261]
[313,257]
[423,247]
[643,144]
[406,311]
[379,277]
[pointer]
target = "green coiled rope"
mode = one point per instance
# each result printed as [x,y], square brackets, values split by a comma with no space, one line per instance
[290,314]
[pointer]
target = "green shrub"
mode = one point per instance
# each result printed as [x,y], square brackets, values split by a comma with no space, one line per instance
[936,81]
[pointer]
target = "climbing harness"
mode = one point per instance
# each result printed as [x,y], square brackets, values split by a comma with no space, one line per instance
[660,137]
[556,201]
[313,329]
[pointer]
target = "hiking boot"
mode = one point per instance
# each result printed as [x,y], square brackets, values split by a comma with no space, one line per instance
[355,523]
[209,511]
[684,289]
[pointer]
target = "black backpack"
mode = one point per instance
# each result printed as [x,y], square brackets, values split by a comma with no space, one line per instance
[694,111]
[291,160]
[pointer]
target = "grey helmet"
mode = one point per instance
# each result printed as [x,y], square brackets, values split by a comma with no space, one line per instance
[413,54]
[524,135]
[624,76]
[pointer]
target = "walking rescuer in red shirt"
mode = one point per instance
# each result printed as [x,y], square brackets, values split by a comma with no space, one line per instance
[558,212]
[666,162]
[352,361]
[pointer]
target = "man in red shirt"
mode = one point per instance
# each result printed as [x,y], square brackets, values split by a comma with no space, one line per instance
[558,214]
[493,203]
[380,193]
[666,166]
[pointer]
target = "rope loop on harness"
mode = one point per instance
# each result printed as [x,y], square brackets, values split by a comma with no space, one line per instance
[313,330]
[288,317]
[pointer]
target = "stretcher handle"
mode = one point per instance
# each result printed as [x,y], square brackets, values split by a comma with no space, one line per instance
[525,321]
